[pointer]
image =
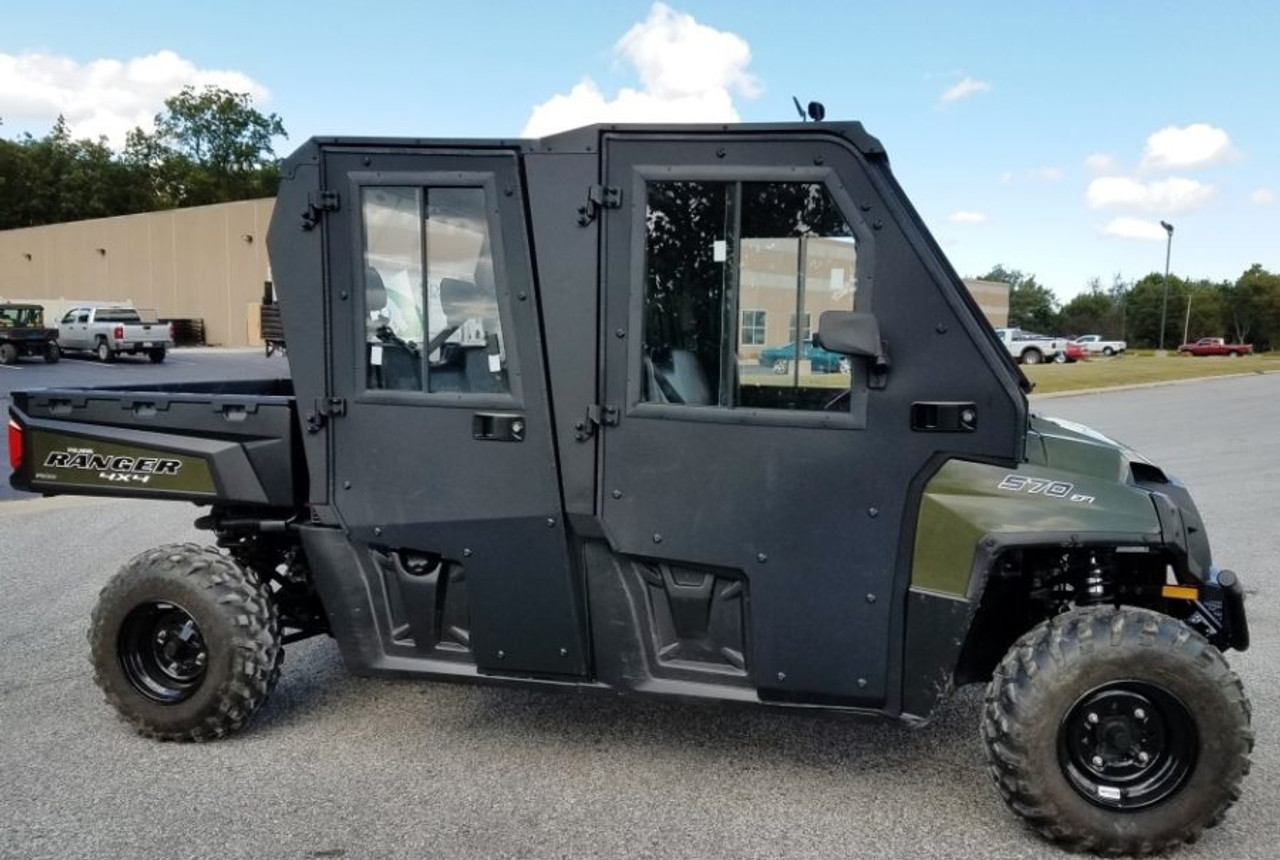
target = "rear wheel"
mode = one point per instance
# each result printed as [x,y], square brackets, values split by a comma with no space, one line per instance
[185,643]
[1118,731]
[156,355]
[1108,351]
[52,353]
[781,366]
[8,353]
[1032,356]
[104,352]
[1233,354]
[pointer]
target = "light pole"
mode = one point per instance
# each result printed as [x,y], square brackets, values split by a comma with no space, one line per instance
[1164,309]
[1186,326]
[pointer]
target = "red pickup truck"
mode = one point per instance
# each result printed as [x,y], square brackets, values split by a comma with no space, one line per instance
[1215,346]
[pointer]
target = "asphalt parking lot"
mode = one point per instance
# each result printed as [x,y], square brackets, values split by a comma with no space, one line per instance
[338,766]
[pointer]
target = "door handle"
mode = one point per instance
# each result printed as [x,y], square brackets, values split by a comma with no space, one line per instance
[497,427]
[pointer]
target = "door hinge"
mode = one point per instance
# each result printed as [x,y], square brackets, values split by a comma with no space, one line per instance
[599,197]
[597,416]
[325,408]
[319,202]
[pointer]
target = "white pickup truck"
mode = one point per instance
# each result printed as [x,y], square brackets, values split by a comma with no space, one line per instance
[109,331]
[1093,343]
[1028,348]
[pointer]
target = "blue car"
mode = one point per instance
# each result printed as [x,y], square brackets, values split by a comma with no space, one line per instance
[820,360]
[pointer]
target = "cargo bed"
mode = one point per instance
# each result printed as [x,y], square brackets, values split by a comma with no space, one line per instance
[210,443]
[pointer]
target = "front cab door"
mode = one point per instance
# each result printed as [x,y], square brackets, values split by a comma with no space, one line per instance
[738,446]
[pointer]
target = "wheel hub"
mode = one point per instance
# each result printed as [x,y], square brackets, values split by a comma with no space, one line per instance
[163,652]
[1127,745]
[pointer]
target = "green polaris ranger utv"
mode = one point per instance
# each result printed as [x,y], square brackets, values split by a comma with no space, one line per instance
[529,439]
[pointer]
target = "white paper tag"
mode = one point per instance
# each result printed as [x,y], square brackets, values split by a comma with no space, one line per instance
[720,250]
[375,355]
[495,364]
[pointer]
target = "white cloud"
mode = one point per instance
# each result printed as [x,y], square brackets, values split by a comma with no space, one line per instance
[1006,177]
[104,97]
[1174,194]
[966,217]
[689,72]
[1262,197]
[963,88]
[1193,146]
[1102,162]
[1135,228]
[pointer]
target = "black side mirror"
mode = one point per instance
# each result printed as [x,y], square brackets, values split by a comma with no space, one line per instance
[854,333]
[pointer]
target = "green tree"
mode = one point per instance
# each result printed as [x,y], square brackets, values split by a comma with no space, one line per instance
[209,146]
[1031,306]
[1092,312]
[1252,307]
[58,178]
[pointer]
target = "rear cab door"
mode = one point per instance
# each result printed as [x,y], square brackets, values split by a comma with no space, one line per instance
[442,452]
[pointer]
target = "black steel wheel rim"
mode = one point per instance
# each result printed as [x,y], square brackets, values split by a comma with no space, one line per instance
[1127,745]
[163,652]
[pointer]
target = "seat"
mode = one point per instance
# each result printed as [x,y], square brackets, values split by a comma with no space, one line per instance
[398,365]
[465,367]
[678,377]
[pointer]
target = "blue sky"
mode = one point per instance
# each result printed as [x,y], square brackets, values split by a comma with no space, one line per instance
[1071,131]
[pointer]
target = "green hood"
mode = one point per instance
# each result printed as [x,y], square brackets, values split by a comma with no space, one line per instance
[1071,447]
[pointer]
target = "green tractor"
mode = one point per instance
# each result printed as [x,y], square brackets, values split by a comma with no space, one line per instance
[22,333]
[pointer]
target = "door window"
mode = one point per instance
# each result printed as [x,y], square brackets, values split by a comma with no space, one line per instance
[431,306]
[780,251]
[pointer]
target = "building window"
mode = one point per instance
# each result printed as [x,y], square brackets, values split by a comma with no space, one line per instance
[753,327]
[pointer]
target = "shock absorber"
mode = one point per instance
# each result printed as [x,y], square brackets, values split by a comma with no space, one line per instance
[1098,586]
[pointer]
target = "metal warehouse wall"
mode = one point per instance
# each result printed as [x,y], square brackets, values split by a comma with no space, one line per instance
[993,298]
[205,262]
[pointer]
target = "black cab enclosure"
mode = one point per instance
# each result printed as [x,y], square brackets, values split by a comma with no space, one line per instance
[690,410]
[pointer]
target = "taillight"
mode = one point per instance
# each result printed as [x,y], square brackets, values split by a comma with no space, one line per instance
[15,445]
[118,334]
[170,331]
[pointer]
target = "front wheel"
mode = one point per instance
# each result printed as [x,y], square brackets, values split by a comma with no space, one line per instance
[1117,731]
[781,366]
[1032,356]
[8,353]
[185,643]
[1060,358]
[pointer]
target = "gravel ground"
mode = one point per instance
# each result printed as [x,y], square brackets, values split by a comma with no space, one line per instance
[337,766]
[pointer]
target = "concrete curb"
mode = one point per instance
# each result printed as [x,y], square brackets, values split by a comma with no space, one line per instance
[1137,385]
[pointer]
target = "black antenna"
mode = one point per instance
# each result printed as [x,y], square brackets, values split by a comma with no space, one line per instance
[799,109]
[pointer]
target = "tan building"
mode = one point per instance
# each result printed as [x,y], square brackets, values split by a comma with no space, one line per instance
[205,262]
[209,263]
[993,298]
